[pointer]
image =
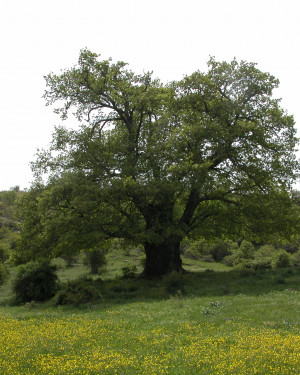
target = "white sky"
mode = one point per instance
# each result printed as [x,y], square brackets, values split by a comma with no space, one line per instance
[170,37]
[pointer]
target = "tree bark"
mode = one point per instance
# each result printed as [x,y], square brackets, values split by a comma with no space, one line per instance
[162,259]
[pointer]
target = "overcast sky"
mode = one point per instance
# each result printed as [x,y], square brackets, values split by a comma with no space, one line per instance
[169,37]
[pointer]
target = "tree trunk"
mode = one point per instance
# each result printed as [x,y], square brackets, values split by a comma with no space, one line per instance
[162,259]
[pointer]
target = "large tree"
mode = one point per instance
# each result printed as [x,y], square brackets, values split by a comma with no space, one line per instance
[212,154]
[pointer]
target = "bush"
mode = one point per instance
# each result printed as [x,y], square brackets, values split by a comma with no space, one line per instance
[95,260]
[282,259]
[247,249]
[254,264]
[3,273]
[77,292]
[219,250]
[265,252]
[233,259]
[228,260]
[262,264]
[292,246]
[296,259]
[35,281]
[129,272]
[195,249]
[208,259]
[244,263]
[4,253]
[198,249]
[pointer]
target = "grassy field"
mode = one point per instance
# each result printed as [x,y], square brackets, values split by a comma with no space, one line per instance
[212,320]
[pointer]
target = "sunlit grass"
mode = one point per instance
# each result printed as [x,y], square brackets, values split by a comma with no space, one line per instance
[176,336]
[216,321]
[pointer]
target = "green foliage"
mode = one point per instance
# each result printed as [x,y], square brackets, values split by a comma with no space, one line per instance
[125,246]
[129,272]
[7,202]
[4,253]
[78,292]
[3,273]
[232,259]
[212,156]
[296,259]
[264,258]
[95,260]
[35,281]
[208,250]
[247,249]
[261,264]
[282,259]
[291,246]
[30,243]
[9,222]
[219,250]
[195,249]
[265,252]
[247,257]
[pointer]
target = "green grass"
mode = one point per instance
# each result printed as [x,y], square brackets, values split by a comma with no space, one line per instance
[211,320]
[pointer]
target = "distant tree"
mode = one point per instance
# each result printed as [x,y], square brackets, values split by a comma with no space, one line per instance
[211,155]
[9,222]
[3,273]
[95,260]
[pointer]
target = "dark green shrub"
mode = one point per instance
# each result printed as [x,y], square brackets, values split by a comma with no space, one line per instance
[228,260]
[207,258]
[296,259]
[254,264]
[220,250]
[35,281]
[265,252]
[282,259]
[262,264]
[195,249]
[78,292]
[247,249]
[292,246]
[245,264]
[233,259]
[3,273]
[129,272]
[4,253]
[4,232]
[95,260]
[242,256]
[263,257]
[198,249]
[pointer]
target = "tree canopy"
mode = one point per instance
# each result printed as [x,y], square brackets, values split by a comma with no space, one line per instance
[210,155]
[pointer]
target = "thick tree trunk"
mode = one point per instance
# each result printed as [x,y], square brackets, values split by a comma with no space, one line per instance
[162,259]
